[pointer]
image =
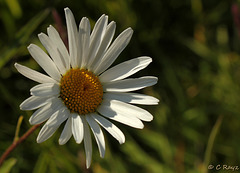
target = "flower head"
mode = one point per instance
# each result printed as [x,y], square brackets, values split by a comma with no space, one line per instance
[79,89]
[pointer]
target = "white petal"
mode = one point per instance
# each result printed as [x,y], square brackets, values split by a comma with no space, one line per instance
[130,110]
[133,98]
[98,134]
[106,110]
[77,128]
[73,39]
[97,27]
[53,52]
[58,117]
[44,61]
[33,75]
[33,102]
[125,69]
[110,127]
[66,133]
[46,132]
[110,31]
[45,89]
[114,50]
[55,37]
[43,113]
[87,143]
[84,37]
[127,85]
[104,45]
[96,38]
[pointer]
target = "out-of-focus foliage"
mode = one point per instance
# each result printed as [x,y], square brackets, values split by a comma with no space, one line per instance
[195,46]
[7,165]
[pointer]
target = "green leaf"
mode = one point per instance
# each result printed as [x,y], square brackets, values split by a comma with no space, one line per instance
[66,162]
[42,163]
[7,165]
[200,49]
[159,143]
[15,8]
[21,39]
[212,137]
[139,157]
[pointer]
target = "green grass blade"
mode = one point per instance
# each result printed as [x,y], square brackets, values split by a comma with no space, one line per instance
[21,39]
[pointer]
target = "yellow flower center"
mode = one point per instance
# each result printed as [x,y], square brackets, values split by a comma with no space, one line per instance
[81,91]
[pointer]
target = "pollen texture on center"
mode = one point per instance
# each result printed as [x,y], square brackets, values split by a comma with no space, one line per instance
[81,91]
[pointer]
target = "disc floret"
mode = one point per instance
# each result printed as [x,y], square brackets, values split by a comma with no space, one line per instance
[81,91]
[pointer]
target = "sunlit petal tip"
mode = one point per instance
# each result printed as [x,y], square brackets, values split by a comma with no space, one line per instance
[78,141]
[148,58]
[21,106]
[45,133]
[113,24]
[110,127]
[130,30]
[31,120]
[68,14]
[29,103]
[84,18]
[150,118]
[30,46]
[123,141]
[66,133]
[103,155]
[60,142]
[84,23]
[38,141]
[106,18]
[88,165]
[42,37]
[127,33]
[63,141]
[50,28]
[103,15]
[66,9]
[40,34]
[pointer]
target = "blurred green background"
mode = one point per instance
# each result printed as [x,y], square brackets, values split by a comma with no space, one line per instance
[195,46]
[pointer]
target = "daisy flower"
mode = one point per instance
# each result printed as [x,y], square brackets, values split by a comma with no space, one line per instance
[79,89]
